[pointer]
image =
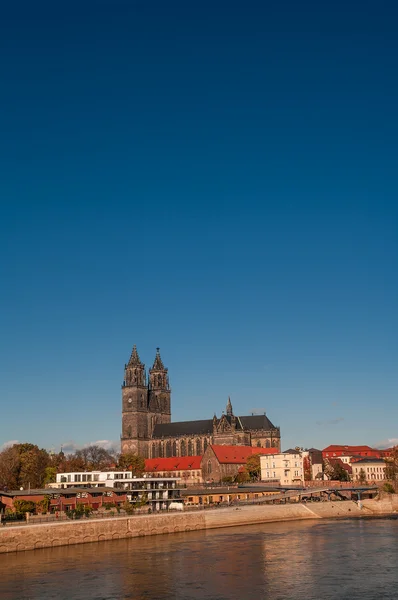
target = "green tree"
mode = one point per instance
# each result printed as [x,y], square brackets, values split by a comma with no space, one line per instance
[132,462]
[43,506]
[50,475]
[24,506]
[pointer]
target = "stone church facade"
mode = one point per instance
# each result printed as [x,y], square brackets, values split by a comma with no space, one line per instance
[147,429]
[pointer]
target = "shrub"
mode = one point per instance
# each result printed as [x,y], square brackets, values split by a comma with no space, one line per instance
[387,487]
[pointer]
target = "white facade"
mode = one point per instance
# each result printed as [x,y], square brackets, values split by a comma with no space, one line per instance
[374,469]
[94,479]
[284,468]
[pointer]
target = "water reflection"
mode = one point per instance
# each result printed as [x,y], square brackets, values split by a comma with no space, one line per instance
[309,560]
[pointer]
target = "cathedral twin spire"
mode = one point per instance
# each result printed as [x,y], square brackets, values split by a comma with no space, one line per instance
[135,371]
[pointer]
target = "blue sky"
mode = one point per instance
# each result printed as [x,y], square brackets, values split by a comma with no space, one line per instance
[215,179]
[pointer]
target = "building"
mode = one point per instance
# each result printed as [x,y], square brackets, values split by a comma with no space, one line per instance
[338,451]
[147,428]
[62,500]
[187,468]
[210,496]
[369,469]
[159,490]
[284,468]
[220,462]
[313,459]
[91,479]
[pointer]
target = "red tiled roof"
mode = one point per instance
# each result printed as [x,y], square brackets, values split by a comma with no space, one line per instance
[238,454]
[340,448]
[179,463]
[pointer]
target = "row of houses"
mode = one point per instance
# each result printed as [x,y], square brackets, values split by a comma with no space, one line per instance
[222,463]
[155,493]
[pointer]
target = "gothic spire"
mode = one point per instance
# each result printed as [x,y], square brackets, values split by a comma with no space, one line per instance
[134,358]
[229,407]
[158,364]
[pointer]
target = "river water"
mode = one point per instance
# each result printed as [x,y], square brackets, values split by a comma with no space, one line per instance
[301,560]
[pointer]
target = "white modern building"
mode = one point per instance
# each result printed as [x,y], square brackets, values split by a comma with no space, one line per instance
[93,479]
[156,492]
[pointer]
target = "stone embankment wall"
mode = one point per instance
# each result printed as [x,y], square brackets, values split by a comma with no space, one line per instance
[30,537]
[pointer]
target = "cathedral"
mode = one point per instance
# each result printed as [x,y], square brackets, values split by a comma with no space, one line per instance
[147,428]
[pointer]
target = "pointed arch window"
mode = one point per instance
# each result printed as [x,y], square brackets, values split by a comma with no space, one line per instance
[190,448]
[198,447]
[175,449]
[168,449]
[183,448]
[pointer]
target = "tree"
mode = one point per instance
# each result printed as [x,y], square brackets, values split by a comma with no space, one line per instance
[242,477]
[307,468]
[391,470]
[128,507]
[24,506]
[23,465]
[50,475]
[362,476]
[339,472]
[132,462]
[95,458]
[253,467]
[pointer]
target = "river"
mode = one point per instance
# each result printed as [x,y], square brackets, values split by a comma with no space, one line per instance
[301,560]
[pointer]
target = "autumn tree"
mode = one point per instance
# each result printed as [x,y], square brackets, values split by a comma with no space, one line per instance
[362,476]
[23,465]
[391,470]
[95,458]
[253,467]
[339,472]
[132,462]
[307,468]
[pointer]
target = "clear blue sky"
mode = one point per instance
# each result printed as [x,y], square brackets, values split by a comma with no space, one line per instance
[218,179]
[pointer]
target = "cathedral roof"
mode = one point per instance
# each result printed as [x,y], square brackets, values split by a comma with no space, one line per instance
[183,428]
[134,358]
[158,363]
[202,427]
[256,422]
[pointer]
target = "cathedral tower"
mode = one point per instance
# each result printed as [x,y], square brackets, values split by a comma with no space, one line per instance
[134,406]
[159,409]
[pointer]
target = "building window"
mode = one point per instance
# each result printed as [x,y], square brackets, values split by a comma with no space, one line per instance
[209,467]
[168,448]
[183,448]
[198,447]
